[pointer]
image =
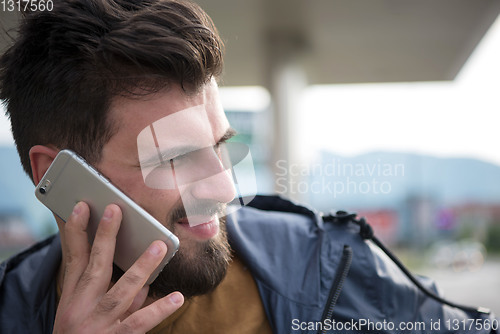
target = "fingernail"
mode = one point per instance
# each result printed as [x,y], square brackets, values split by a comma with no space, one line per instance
[155,250]
[176,298]
[77,209]
[108,213]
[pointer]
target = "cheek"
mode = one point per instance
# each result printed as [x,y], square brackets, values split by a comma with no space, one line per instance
[155,201]
[159,203]
[129,183]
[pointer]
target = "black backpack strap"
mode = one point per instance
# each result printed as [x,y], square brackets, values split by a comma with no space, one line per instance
[367,233]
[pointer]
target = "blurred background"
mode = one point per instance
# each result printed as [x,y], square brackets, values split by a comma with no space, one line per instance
[386,108]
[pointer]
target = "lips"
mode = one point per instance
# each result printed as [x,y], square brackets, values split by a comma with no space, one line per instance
[202,228]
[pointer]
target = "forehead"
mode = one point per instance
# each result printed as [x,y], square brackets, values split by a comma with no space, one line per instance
[173,109]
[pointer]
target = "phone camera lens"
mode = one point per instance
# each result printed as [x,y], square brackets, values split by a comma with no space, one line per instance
[45,187]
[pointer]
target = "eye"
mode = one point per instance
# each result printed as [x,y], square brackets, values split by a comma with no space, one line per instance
[217,148]
[161,177]
[221,149]
[180,160]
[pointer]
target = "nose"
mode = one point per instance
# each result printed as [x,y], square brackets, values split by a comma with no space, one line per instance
[217,185]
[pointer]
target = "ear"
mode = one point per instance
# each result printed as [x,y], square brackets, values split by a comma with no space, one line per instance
[41,157]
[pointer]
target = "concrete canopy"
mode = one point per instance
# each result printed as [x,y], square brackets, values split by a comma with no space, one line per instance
[345,41]
[350,41]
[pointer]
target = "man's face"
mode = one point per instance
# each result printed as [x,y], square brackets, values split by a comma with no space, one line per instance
[176,122]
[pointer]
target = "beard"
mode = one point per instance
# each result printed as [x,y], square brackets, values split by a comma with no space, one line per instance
[198,267]
[196,271]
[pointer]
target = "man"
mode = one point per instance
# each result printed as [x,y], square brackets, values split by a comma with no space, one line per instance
[114,80]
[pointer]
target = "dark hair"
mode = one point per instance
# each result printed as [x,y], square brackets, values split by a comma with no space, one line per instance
[58,78]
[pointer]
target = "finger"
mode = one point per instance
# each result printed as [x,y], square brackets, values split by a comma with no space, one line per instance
[100,267]
[121,295]
[148,317]
[139,300]
[76,245]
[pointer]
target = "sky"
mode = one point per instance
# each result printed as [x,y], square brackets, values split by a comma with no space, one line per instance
[458,118]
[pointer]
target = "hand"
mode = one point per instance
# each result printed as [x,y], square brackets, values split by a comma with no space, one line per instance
[87,304]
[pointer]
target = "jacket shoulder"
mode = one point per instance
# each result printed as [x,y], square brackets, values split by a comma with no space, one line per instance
[28,288]
[295,257]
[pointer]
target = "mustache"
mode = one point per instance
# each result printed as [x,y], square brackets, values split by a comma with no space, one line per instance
[202,208]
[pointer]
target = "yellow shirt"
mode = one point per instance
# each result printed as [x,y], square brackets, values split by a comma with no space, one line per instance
[233,307]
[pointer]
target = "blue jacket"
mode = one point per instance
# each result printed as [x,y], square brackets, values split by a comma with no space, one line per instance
[313,277]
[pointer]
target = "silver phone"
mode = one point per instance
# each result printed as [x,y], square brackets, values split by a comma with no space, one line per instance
[70,179]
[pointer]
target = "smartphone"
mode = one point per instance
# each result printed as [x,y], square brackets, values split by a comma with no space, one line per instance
[70,179]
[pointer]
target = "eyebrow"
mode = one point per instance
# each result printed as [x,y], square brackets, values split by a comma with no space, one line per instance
[167,155]
[230,133]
